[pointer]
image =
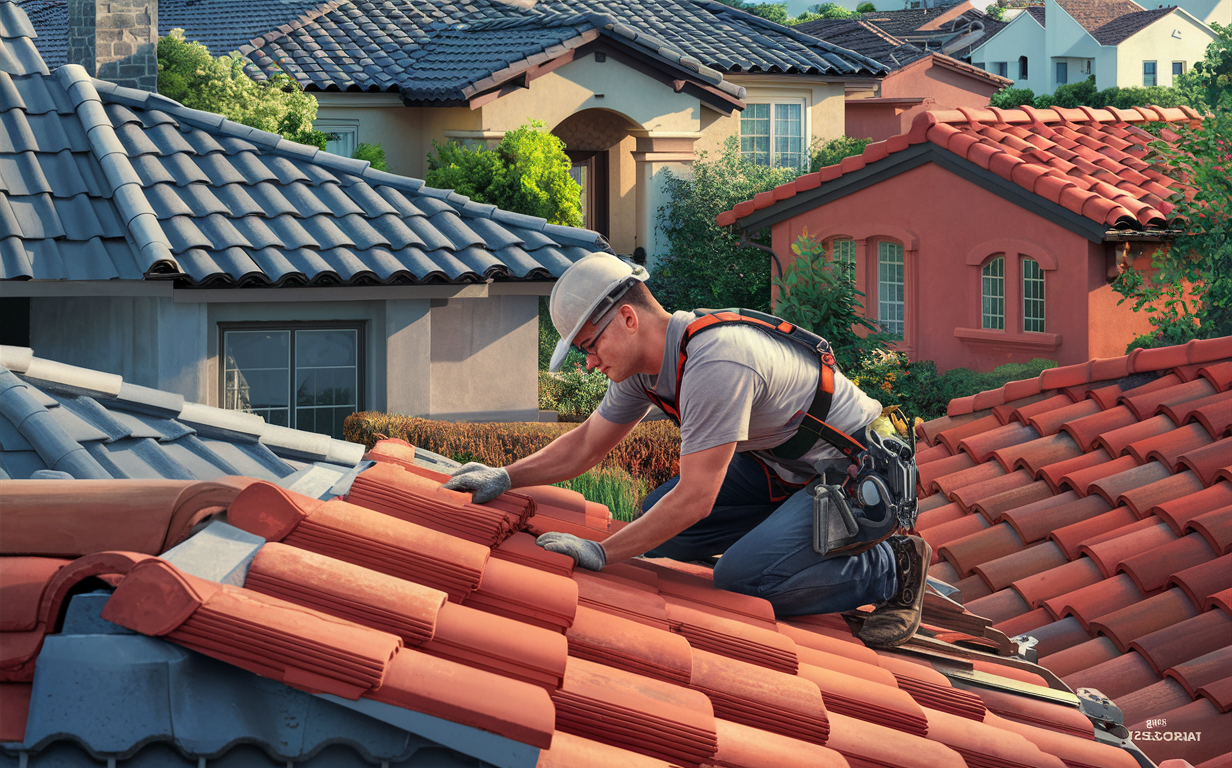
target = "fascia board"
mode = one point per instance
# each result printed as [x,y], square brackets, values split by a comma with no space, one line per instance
[915,156]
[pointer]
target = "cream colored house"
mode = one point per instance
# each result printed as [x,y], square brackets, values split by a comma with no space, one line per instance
[1118,41]
[631,97]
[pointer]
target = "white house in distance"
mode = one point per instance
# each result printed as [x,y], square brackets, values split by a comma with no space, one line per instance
[1118,41]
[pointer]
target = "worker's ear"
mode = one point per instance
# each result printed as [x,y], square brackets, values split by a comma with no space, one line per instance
[628,318]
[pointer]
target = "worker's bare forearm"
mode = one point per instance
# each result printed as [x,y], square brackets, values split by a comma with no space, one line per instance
[672,514]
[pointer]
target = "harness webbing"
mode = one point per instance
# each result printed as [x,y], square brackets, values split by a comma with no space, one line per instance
[814,425]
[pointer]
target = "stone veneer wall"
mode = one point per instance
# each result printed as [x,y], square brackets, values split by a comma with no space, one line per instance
[115,40]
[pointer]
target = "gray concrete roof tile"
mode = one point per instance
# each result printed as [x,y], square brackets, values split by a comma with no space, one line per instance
[151,170]
[35,217]
[78,429]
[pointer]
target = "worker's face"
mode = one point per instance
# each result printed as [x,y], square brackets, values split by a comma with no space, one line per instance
[607,343]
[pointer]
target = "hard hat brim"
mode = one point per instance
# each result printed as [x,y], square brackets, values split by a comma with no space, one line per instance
[562,351]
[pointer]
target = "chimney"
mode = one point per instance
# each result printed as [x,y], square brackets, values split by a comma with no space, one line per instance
[115,40]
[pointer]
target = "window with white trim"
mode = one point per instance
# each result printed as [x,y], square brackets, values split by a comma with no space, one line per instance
[1032,296]
[992,294]
[341,136]
[304,376]
[773,134]
[843,254]
[891,289]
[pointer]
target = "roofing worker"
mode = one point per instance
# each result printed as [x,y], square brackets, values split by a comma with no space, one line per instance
[744,392]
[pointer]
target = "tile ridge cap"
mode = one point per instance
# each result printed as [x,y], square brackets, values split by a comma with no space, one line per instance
[151,246]
[87,465]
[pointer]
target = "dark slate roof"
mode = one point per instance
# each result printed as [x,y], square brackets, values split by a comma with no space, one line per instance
[437,50]
[96,426]
[103,182]
[1037,13]
[971,40]
[1124,27]
[905,21]
[866,38]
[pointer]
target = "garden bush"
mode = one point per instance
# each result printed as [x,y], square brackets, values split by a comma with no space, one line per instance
[651,452]
[574,393]
[612,487]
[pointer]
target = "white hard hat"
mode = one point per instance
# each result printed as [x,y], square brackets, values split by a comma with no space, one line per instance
[586,291]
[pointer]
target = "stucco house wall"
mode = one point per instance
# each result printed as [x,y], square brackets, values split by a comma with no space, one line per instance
[949,227]
[1208,10]
[1021,37]
[445,352]
[1176,37]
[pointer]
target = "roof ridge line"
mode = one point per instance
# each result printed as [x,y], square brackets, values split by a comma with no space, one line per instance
[1031,115]
[152,245]
[872,65]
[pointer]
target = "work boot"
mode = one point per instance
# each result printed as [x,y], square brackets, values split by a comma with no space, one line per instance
[895,621]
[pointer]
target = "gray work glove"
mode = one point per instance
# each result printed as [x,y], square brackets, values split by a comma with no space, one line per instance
[484,482]
[587,554]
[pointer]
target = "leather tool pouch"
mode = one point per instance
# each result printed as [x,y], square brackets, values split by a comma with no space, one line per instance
[834,524]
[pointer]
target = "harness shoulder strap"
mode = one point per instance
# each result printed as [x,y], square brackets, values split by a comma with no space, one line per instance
[814,425]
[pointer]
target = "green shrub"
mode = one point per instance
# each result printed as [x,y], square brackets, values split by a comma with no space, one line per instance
[373,153]
[651,452]
[1080,94]
[1009,98]
[833,151]
[866,7]
[527,172]
[190,75]
[705,265]
[1044,101]
[821,296]
[573,393]
[612,487]
[924,393]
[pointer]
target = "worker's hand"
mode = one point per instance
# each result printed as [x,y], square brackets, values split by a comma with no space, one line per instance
[587,554]
[484,482]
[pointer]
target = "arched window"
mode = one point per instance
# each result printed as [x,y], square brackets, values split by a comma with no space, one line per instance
[992,293]
[843,254]
[1022,67]
[1032,296]
[891,289]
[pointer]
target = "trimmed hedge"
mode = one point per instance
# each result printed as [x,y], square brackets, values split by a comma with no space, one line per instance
[651,453]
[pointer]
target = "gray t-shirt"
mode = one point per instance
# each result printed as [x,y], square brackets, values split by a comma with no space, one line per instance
[744,386]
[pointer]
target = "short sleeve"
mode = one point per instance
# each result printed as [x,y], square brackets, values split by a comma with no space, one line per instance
[625,402]
[716,401]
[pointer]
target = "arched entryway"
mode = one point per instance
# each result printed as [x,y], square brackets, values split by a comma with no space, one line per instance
[593,139]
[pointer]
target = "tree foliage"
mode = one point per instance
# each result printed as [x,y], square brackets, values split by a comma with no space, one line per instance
[527,172]
[705,265]
[1190,296]
[866,7]
[995,12]
[777,12]
[833,151]
[190,75]
[821,296]
[373,153]
[1009,98]
[1085,94]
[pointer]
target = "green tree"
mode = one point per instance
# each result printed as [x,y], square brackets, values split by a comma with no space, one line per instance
[527,172]
[705,265]
[190,75]
[1008,98]
[821,296]
[833,151]
[995,12]
[866,8]
[373,153]
[1190,296]
[832,11]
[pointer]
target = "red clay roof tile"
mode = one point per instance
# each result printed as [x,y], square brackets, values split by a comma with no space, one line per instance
[1036,454]
[1200,716]
[23,581]
[1112,487]
[1108,552]
[1096,600]
[740,746]
[1206,461]
[1143,498]
[969,496]
[1179,511]
[1150,570]
[1066,578]
[1195,673]
[994,507]
[1216,529]
[1086,425]
[1127,624]
[1036,520]
[629,645]
[1082,656]
[1053,473]
[505,646]
[1204,579]
[1157,697]
[989,544]
[1116,677]
[568,751]
[1004,571]
[867,744]
[981,446]
[1185,640]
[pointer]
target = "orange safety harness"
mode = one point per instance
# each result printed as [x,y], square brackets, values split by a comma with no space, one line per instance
[814,425]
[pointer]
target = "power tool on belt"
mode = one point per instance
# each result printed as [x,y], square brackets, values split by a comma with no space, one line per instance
[857,504]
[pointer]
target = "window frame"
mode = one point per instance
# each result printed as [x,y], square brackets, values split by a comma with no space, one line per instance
[1022,68]
[986,297]
[849,256]
[1028,301]
[1153,74]
[1061,67]
[335,127]
[772,103]
[882,302]
[359,326]
[1175,67]
[1001,68]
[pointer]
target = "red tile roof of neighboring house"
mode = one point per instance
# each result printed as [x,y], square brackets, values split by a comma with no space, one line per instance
[1093,14]
[1091,508]
[1090,161]
[643,664]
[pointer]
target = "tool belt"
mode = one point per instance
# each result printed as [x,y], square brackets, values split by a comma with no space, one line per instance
[872,499]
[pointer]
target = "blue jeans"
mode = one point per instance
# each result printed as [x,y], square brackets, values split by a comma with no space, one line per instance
[763,527]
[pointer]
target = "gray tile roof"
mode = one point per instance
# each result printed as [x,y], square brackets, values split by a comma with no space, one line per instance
[1038,13]
[101,182]
[1123,27]
[866,38]
[442,50]
[95,425]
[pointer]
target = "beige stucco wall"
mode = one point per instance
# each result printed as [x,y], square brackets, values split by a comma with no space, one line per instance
[485,359]
[1159,43]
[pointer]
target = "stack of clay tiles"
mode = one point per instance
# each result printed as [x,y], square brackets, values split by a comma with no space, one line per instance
[400,488]
[642,664]
[1091,509]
